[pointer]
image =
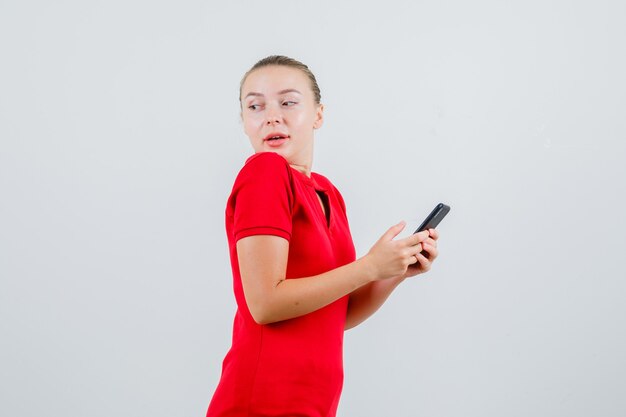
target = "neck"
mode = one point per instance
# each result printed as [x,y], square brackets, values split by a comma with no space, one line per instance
[306,170]
[303,161]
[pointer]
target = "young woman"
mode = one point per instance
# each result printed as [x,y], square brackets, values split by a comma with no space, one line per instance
[297,282]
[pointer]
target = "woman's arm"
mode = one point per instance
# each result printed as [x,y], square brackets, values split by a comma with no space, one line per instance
[271,297]
[367,299]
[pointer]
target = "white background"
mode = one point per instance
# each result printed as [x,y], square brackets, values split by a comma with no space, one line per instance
[120,139]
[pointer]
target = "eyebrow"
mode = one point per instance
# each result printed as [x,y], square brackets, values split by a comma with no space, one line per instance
[288,90]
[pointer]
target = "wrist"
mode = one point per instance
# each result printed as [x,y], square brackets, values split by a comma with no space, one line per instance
[399,279]
[367,269]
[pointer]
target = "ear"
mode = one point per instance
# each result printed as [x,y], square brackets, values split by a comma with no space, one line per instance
[319,117]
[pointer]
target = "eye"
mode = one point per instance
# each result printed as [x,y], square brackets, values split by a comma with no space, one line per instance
[289,103]
[254,107]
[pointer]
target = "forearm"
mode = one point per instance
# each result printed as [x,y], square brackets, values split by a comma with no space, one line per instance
[367,299]
[296,297]
[271,298]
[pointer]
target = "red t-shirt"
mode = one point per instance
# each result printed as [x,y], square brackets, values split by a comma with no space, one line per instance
[293,367]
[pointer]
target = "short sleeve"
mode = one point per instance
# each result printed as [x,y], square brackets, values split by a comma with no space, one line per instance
[262,198]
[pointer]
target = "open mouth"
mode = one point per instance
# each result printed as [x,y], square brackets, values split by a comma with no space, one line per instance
[275,136]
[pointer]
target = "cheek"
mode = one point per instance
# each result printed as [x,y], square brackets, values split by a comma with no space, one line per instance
[248,125]
[304,120]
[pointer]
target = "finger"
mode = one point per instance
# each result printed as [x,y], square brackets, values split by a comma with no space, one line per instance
[430,252]
[393,231]
[431,242]
[415,249]
[411,253]
[424,262]
[434,233]
[415,238]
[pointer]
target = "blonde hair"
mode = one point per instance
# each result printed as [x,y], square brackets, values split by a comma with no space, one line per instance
[285,61]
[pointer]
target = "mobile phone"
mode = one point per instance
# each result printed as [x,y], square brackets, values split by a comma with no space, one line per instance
[433,219]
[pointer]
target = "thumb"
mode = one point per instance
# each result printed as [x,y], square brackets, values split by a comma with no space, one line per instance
[394,231]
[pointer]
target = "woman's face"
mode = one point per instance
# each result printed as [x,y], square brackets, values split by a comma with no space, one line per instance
[279,113]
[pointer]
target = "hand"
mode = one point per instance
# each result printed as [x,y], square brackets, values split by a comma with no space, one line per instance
[390,258]
[423,261]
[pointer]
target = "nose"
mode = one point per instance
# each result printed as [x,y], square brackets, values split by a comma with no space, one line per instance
[272,115]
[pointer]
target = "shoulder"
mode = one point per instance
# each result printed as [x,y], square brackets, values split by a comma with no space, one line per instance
[264,171]
[266,165]
[265,159]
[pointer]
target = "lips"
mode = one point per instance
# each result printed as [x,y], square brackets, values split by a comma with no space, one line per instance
[275,139]
[275,136]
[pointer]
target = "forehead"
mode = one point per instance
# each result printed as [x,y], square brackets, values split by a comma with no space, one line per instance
[272,79]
